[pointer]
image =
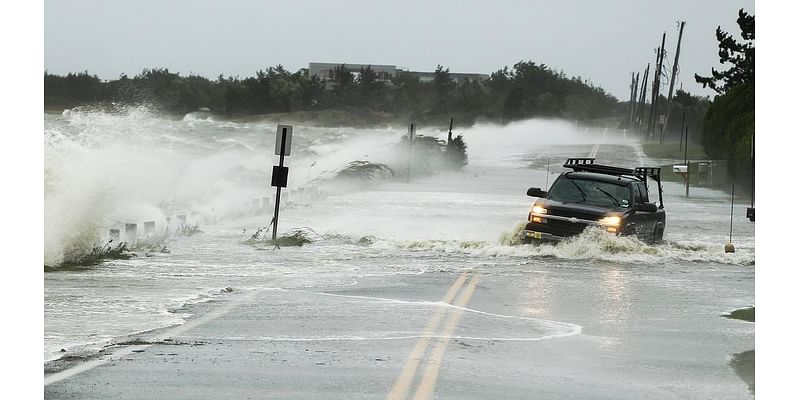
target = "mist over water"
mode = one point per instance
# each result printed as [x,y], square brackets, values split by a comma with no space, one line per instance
[103,170]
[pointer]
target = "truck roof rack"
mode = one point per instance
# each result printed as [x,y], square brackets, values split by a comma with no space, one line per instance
[655,173]
[588,165]
[585,164]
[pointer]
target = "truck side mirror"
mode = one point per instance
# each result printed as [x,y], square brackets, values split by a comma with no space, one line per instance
[536,192]
[646,207]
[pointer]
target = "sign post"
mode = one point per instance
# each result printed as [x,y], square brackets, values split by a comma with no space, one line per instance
[686,161]
[411,131]
[280,174]
[751,211]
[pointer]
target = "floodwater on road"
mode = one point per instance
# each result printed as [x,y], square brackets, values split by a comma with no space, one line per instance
[594,317]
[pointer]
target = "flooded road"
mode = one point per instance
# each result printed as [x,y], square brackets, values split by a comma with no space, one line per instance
[407,289]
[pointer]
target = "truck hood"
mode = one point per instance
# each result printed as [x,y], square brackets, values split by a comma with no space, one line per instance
[579,210]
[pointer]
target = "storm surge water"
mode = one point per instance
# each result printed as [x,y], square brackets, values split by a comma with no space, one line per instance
[593,245]
[104,170]
[376,211]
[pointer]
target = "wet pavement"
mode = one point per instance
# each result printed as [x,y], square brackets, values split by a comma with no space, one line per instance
[536,330]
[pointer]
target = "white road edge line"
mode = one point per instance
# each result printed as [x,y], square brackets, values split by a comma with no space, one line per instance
[83,367]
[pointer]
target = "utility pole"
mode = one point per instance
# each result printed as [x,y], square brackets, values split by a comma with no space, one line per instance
[632,95]
[656,87]
[672,80]
[411,131]
[450,133]
[683,122]
[686,160]
[643,96]
[751,211]
[635,99]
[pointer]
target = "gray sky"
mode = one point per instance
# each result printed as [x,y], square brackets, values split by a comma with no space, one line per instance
[603,41]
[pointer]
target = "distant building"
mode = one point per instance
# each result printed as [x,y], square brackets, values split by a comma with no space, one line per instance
[325,72]
[456,76]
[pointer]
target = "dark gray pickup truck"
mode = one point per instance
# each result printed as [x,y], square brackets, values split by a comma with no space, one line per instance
[615,199]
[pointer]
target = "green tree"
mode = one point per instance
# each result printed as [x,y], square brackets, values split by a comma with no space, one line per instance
[741,56]
[283,89]
[408,94]
[729,124]
[471,99]
[344,83]
[308,91]
[729,128]
[443,86]
[692,108]
[527,90]
[369,89]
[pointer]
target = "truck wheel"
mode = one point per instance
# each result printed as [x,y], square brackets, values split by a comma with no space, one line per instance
[658,235]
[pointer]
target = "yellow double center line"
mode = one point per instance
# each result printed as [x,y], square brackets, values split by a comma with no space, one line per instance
[593,153]
[428,381]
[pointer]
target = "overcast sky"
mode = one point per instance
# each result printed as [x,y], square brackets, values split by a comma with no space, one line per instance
[603,41]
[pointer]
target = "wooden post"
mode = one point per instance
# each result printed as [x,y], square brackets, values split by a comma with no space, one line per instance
[630,101]
[686,149]
[753,164]
[733,190]
[672,79]
[644,95]
[683,122]
[450,133]
[410,138]
[656,87]
[635,100]
[652,100]
[686,161]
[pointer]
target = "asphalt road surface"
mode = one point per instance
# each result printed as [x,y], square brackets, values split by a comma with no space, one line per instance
[536,330]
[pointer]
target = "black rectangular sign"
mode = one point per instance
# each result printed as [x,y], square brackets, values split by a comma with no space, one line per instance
[279,176]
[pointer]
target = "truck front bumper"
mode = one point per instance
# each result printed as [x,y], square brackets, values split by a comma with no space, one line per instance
[529,235]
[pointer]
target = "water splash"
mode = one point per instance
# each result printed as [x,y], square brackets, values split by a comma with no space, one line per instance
[593,244]
[106,169]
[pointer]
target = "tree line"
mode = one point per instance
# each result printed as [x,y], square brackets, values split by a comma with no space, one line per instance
[526,90]
[729,125]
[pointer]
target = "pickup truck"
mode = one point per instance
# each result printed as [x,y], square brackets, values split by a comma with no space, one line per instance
[615,199]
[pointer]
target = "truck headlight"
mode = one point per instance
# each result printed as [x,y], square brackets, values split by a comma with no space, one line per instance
[532,217]
[612,220]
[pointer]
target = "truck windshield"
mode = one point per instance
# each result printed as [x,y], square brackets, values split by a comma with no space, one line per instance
[591,192]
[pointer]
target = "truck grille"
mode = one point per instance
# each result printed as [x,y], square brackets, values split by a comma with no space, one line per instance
[561,228]
[572,213]
[565,228]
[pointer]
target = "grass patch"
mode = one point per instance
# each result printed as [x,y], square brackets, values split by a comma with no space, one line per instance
[295,237]
[744,364]
[744,314]
[673,151]
[98,254]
